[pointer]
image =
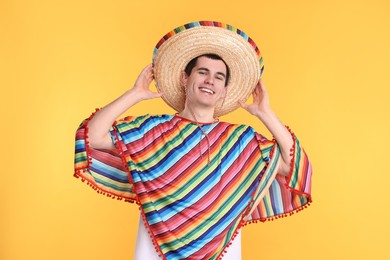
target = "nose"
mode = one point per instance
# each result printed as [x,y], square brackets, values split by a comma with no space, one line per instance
[209,80]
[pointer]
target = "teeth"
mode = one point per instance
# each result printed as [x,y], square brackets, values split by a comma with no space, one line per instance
[207,90]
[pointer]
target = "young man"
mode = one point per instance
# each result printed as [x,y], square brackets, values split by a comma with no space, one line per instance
[197,180]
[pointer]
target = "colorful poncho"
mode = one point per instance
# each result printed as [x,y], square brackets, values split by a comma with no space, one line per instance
[194,194]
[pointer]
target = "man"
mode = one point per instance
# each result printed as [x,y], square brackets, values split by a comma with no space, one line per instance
[197,180]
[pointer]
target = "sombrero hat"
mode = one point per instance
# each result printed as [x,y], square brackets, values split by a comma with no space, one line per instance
[178,47]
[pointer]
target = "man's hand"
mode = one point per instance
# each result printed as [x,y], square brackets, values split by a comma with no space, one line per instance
[260,104]
[261,109]
[100,124]
[142,85]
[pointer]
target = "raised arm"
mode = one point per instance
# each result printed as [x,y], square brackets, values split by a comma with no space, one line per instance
[102,121]
[262,110]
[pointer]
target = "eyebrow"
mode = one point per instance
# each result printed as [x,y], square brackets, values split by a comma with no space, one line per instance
[219,73]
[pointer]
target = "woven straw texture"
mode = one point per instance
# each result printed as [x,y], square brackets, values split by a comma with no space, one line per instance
[177,48]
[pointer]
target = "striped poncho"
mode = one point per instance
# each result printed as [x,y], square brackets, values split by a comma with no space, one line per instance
[194,192]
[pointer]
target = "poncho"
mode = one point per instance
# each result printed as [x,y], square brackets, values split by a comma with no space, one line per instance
[194,193]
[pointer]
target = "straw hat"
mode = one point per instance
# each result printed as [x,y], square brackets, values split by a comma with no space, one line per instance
[178,47]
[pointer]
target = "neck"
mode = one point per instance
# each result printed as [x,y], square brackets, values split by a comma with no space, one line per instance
[197,115]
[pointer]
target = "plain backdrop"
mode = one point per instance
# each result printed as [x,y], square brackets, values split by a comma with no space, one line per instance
[326,71]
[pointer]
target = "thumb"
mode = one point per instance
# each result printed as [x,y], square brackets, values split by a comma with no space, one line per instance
[243,105]
[157,94]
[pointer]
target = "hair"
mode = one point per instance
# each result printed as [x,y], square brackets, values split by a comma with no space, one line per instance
[192,63]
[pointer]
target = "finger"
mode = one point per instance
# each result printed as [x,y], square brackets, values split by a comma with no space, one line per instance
[262,86]
[259,86]
[256,92]
[148,70]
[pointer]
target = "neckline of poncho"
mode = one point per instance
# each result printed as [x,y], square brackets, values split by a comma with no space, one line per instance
[216,120]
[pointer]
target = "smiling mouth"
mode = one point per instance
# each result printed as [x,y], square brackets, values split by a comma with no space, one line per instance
[209,91]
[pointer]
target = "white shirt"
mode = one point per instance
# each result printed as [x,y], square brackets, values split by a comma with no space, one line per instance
[144,248]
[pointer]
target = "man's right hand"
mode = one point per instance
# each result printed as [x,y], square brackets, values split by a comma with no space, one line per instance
[141,87]
[100,124]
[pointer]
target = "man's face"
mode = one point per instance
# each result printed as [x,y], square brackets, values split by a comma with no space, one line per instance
[205,86]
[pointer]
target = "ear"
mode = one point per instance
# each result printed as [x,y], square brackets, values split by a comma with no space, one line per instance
[183,79]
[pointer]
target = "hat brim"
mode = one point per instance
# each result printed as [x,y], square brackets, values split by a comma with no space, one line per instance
[176,49]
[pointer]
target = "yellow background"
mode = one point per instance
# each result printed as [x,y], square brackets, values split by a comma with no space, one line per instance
[326,70]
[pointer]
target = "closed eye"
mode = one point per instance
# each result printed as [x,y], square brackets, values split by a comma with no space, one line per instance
[220,76]
[202,71]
